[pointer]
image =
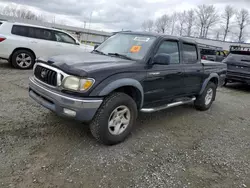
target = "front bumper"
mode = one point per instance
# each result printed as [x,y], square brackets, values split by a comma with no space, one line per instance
[238,76]
[82,109]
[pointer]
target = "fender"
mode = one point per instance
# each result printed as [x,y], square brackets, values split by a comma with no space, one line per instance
[204,85]
[121,83]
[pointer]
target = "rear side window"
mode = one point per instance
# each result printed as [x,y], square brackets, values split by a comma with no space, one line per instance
[20,30]
[63,37]
[190,55]
[171,48]
[33,32]
[41,33]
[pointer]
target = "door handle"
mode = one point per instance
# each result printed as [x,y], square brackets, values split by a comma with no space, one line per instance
[34,42]
[179,73]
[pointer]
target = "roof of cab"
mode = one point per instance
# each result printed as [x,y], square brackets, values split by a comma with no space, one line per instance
[184,39]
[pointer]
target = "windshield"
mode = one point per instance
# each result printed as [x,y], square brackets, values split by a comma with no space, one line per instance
[130,45]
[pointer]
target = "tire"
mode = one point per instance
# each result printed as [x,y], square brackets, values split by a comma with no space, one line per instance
[224,83]
[99,126]
[202,102]
[23,59]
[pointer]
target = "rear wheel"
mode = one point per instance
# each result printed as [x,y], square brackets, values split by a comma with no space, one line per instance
[23,59]
[205,100]
[115,119]
[224,83]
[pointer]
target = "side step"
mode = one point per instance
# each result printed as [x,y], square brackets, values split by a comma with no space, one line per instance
[170,105]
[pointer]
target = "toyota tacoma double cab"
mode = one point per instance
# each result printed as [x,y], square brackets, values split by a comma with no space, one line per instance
[128,73]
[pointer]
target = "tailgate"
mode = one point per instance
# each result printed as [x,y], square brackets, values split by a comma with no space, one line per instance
[238,63]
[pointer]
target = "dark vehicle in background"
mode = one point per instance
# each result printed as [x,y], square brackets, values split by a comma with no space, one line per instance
[212,54]
[238,65]
[128,73]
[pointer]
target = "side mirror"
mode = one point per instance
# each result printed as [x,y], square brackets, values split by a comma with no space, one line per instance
[96,46]
[78,43]
[161,59]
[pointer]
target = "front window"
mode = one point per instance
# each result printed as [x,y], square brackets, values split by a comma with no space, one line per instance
[62,37]
[171,48]
[130,45]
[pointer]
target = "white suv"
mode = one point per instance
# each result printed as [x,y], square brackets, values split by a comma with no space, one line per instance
[21,44]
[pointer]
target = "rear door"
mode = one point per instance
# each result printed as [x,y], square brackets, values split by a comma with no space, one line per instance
[193,69]
[43,40]
[39,40]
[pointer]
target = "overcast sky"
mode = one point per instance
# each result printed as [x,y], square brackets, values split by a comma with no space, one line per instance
[112,15]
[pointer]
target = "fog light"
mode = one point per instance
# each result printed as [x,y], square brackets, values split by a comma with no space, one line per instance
[69,112]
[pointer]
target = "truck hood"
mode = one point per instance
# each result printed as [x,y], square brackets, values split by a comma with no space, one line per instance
[84,63]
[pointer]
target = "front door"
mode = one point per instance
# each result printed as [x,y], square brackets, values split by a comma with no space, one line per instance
[164,82]
[66,44]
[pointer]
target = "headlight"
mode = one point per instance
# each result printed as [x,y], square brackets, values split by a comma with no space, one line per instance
[77,84]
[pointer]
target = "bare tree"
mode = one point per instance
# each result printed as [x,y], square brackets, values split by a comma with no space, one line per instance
[173,21]
[226,16]
[243,19]
[148,25]
[162,23]
[181,21]
[211,21]
[207,17]
[17,12]
[218,33]
[190,21]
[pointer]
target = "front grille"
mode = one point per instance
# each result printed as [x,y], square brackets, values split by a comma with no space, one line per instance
[46,75]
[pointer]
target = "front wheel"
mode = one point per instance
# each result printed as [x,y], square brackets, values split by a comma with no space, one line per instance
[114,120]
[205,100]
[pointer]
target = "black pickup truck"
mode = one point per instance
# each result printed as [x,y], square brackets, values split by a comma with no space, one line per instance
[128,73]
[238,65]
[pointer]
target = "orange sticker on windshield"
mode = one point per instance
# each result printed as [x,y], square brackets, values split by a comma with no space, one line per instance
[135,49]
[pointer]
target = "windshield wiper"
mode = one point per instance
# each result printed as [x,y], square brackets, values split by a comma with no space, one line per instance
[120,55]
[99,52]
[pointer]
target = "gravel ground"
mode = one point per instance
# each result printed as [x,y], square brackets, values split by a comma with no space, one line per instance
[178,147]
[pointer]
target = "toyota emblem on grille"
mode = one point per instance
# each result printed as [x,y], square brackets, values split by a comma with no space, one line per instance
[43,73]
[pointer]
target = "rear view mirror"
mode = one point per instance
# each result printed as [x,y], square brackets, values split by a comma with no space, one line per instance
[161,59]
[96,46]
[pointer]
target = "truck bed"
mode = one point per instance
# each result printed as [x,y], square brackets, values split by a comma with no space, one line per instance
[213,66]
